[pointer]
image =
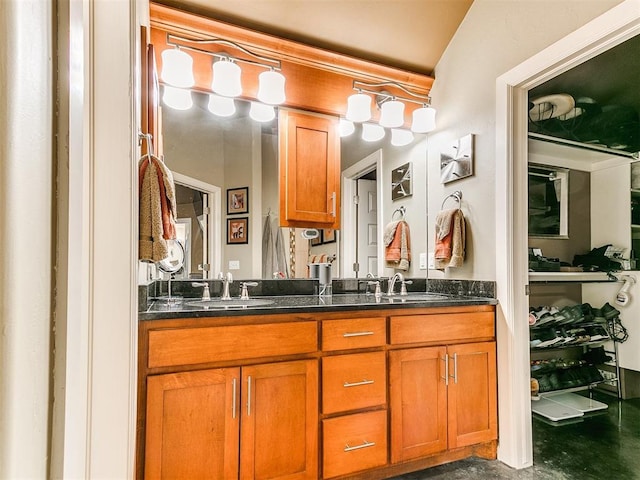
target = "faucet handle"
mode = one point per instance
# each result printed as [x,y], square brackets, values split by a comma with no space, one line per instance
[403,286]
[206,295]
[376,284]
[244,291]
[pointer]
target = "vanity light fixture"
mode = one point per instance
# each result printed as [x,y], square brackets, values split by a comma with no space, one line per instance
[261,112]
[391,106]
[358,107]
[177,68]
[346,127]
[400,137]
[372,132]
[392,113]
[221,106]
[226,69]
[177,98]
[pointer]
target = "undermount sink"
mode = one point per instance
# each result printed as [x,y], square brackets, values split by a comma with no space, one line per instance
[414,297]
[219,304]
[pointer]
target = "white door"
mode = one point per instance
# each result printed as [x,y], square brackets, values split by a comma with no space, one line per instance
[367,228]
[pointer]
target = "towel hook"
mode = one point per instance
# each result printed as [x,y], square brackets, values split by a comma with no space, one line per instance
[149,138]
[457,195]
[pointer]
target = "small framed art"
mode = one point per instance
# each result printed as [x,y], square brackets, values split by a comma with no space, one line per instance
[237,230]
[237,200]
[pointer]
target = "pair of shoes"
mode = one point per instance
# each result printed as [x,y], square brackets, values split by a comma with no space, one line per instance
[596,356]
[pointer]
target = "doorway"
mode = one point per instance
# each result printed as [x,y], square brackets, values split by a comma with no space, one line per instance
[615,26]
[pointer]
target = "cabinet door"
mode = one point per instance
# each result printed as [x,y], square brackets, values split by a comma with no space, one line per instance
[418,402]
[472,394]
[279,432]
[193,425]
[309,170]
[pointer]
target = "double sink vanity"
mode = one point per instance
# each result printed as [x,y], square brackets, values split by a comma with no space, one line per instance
[300,386]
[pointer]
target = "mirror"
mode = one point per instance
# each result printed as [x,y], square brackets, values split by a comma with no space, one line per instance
[548,201]
[239,156]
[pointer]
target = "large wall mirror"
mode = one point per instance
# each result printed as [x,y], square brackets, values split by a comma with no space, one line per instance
[237,154]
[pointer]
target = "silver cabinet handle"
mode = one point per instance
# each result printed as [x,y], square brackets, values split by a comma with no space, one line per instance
[249,396]
[366,444]
[233,399]
[357,384]
[356,334]
[455,368]
[446,368]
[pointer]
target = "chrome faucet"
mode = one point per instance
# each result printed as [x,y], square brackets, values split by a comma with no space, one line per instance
[226,280]
[244,290]
[392,282]
[206,295]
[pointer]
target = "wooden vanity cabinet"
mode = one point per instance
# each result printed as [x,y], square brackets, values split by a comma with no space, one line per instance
[246,421]
[442,397]
[309,168]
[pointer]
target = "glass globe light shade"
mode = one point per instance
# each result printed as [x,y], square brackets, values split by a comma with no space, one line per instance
[424,120]
[226,79]
[177,98]
[271,87]
[392,114]
[372,132]
[221,106]
[358,107]
[400,138]
[261,112]
[346,127]
[177,68]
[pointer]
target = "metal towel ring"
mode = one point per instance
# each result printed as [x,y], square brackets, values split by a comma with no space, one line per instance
[457,195]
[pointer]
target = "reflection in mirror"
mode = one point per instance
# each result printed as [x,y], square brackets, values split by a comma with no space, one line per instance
[230,153]
[548,201]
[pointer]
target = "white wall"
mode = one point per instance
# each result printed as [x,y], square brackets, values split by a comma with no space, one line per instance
[494,37]
[26,224]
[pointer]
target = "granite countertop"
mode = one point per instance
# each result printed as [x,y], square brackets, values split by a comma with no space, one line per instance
[262,305]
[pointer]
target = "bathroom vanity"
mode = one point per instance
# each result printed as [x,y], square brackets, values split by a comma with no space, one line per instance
[350,386]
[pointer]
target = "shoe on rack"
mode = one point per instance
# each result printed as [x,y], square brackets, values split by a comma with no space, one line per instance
[609,311]
[598,317]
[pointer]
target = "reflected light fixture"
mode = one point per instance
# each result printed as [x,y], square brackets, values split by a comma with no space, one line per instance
[271,87]
[400,138]
[346,127]
[177,68]
[261,112]
[358,107]
[221,106]
[177,98]
[424,119]
[392,113]
[372,132]
[226,78]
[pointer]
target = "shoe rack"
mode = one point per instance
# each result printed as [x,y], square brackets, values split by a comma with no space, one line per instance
[569,350]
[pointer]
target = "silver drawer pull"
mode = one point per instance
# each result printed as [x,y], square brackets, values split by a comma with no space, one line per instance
[366,444]
[357,384]
[356,334]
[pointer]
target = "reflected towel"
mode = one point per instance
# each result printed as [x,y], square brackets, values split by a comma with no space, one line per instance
[269,260]
[398,245]
[281,254]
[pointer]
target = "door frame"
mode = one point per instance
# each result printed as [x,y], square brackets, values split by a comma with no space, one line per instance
[611,28]
[214,244]
[348,255]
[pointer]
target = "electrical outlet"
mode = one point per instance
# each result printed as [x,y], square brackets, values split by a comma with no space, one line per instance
[423,261]
[432,260]
[234,264]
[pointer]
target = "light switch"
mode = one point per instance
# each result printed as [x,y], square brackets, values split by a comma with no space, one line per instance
[432,260]
[234,264]
[423,261]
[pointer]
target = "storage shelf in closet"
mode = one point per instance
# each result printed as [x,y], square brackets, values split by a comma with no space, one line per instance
[582,277]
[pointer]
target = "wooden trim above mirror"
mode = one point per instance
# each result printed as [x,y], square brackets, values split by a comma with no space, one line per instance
[317,80]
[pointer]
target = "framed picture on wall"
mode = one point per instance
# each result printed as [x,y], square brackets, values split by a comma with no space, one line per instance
[328,235]
[237,200]
[456,161]
[401,181]
[237,230]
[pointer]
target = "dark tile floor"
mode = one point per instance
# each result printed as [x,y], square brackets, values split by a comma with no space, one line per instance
[602,446]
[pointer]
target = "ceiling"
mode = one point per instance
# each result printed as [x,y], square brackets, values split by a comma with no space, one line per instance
[610,80]
[407,34]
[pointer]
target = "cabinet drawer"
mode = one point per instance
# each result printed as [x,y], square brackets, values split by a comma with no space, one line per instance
[187,346]
[442,327]
[353,333]
[353,443]
[353,381]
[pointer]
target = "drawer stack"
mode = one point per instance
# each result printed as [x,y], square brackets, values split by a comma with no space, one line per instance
[354,396]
